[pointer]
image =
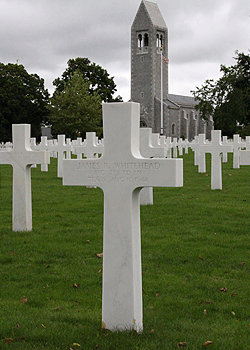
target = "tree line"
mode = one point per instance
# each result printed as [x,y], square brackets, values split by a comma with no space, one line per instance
[227,100]
[75,106]
[73,109]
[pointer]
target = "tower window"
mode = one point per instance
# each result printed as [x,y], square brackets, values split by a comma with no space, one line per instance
[139,40]
[173,129]
[142,94]
[159,41]
[146,39]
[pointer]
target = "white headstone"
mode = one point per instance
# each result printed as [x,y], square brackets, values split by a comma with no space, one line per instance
[42,146]
[245,154]
[121,172]
[60,147]
[90,147]
[149,149]
[77,142]
[216,148]
[21,157]
[180,146]
[224,154]
[166,142]
[175,146]
[195,147]
[237,145]
[201,155]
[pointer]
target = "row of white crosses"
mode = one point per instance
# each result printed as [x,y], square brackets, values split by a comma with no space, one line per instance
[218,147]
[121,173]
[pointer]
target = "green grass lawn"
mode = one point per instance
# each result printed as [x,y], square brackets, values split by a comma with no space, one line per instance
[195,242]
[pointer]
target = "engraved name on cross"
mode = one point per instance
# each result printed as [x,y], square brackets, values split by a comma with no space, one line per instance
[121,172]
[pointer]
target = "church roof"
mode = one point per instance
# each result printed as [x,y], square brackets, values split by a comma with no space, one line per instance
[154,14]
[183,101]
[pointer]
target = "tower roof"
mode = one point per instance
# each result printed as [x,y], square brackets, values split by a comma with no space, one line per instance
[154,14]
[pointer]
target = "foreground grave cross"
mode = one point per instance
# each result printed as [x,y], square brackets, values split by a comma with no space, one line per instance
[21,157]
[121,172]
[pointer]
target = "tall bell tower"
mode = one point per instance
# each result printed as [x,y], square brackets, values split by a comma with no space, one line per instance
[149,35]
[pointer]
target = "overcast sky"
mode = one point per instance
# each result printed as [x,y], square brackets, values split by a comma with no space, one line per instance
[44,34]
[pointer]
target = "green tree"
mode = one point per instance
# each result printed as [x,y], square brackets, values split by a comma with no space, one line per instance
[74,111]
[23,99]
[98,78]
[227,100]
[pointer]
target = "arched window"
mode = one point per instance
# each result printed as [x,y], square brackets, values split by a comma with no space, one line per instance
[173,129]
[193,115]
[161,41]
[143,124]
[139,40]
[157,40]
[146,39]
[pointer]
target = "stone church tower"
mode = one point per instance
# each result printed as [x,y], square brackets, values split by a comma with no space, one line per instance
[149,36]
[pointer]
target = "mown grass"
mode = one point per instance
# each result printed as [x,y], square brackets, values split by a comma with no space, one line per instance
[195,242]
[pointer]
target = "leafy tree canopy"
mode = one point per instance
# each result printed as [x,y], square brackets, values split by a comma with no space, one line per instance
[98,78]
[23,99]
[73,110]
[227,100]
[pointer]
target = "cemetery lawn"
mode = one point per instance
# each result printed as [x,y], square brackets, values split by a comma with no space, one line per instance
[195,263]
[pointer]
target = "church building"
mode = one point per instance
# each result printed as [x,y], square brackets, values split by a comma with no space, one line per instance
[171,115]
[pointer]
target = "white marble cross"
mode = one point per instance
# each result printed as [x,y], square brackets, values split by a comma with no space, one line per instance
[75,143]
[90,147]
[121,172]
[245,154]
[180,146]
[175,147]
[201,156]
[195,147]
[60,147]
[216,148]
[166,142]
[42,146]
[149,148]
[237,145]
[21,157]
[224,155]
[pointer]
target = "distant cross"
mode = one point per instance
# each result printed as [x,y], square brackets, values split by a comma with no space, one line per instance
[245,154]
[195,147]
[60,147]
[216,148]
[149,148]
[42,146]
[180,146]
[75,143]
[186,145]
[21,157]
[175,147]
[166,142]
[90,147]
[121,172]
[237,146]
[224,155]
